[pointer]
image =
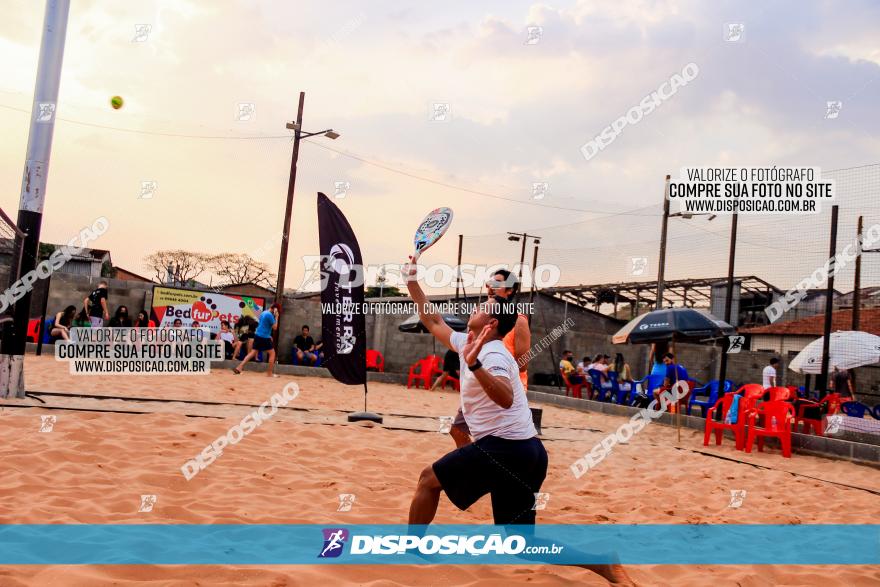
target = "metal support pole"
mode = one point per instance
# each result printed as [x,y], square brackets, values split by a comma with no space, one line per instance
[822,384]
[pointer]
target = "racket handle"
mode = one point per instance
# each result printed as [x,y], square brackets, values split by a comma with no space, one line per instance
[415,257]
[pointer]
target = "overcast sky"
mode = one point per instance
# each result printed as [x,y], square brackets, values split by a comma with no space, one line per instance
[519,113]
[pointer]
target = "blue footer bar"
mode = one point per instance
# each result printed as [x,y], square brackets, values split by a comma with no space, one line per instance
[297,544]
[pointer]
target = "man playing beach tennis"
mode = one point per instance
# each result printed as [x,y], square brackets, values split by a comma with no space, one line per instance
[503,286]
[506,459]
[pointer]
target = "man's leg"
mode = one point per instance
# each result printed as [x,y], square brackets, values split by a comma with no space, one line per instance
[424,503]
[441,380]
[271,353]
[251,354]
[460,437]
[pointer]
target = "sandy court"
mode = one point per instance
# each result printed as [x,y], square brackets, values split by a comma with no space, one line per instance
[94,466]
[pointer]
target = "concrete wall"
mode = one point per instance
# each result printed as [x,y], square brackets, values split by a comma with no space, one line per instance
[67,289]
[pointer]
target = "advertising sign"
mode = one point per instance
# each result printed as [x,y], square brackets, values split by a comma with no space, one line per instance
[206,308]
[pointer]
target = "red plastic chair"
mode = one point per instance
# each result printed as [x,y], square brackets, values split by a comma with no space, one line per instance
[833,402]
[423,371]
[33,330]
[456,384]
[778,417]
[739,428]
[781,394]
[573,388]
[375,361]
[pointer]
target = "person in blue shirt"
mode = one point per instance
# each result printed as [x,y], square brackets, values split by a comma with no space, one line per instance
[267,324]
[674,372]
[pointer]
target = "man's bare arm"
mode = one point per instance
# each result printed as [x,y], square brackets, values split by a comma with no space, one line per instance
[498,389]
[429,317]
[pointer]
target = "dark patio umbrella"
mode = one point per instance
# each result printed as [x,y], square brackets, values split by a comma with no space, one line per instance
[666,324]
[413,324]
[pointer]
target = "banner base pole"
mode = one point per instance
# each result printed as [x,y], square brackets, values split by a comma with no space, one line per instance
[365,416]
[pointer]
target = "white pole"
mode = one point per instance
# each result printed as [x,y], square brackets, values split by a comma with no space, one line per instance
[33,185]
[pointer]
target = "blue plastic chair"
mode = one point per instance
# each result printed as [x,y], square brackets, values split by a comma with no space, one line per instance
[649,383]
[602,393]
[855,409]
[48,325]
[711,390]
[618,395]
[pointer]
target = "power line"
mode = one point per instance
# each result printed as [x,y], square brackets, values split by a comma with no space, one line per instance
[339,152]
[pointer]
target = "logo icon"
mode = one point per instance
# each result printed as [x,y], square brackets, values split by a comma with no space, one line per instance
[833,424]
[341,259]
[735,343]
[533,35]
[148,189]
[147,503]
[334,541]
[47,422]
[346,501]
[638,265]
[45,112]
[445,424]
[540,189]
[345,344]
[341,188]
[832,109]
[734,32]
[440,112]
[737,497]
[541,500]
[246,112]
[141,32]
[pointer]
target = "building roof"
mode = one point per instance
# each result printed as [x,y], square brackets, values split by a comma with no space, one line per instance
[130,275]
[869,321]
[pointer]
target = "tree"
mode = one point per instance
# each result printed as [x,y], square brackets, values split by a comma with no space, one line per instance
[108,270]
[184,265]
[233,268]
[390,291]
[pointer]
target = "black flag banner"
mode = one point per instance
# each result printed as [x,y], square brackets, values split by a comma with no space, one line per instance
[343,332]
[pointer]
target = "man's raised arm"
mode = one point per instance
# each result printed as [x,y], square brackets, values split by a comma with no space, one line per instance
[429,317]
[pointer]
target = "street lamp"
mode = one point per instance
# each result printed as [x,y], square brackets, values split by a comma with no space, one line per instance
[661,269]
[298,135]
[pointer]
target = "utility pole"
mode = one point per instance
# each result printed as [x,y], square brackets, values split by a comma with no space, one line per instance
[661,268]
[285,230]
[458,272]
[522,236]
[534,266]
[728,301]
[33,186]
[298,135]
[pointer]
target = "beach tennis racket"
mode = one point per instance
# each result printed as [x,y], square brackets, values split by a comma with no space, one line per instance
[432,228]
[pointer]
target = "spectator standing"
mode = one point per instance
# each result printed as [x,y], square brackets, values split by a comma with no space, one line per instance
[768,375]
[843,383]
[95,305]
[451,368]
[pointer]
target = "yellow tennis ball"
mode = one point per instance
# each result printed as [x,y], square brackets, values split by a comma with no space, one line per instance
[116,102]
